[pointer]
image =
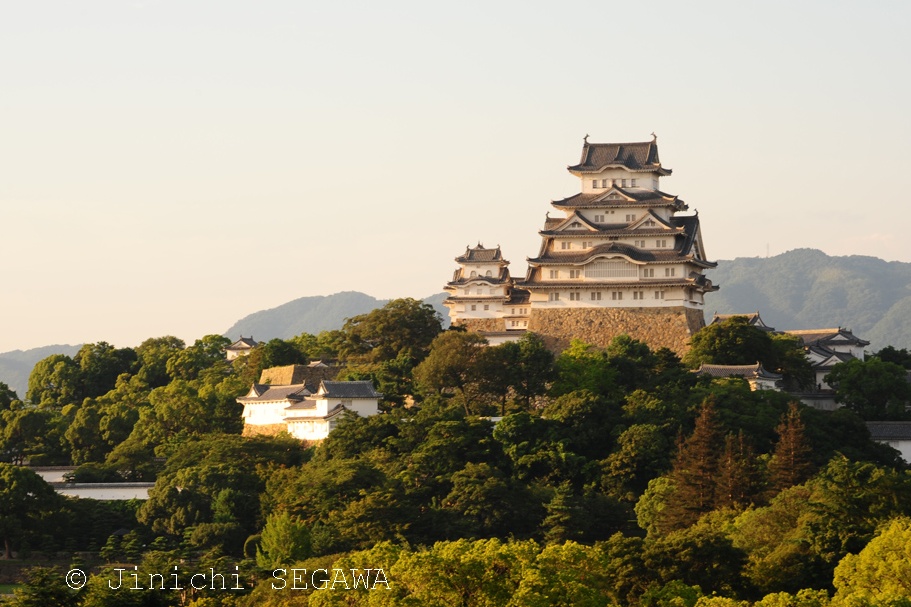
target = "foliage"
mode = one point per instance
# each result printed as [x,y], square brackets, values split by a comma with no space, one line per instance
[881,572]
[875,389]
[284,541]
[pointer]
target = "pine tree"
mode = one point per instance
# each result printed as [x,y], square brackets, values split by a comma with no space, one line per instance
[739,480]
[790,464]
[694,472]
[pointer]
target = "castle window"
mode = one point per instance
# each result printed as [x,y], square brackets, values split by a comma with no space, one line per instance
[555,273]
[486,306]
[599,218]
[650,223]
[638,295]
[565,245]
[669,271]
[474,307]
[575,273]
[611,269]
[594,183]
[513,310]
[632,182]
[623,182]
[616,295]
[640,244]
[575,296]
[473,274]
[631,218]
[659,294]
[648,272]
[596,295]
[488,273]
[575,224]
[524,323]
[661,244]
[553,297]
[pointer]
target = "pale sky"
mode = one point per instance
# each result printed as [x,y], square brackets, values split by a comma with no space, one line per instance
[169,167]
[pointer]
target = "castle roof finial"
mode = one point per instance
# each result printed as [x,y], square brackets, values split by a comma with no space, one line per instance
[654,137]
[585,139]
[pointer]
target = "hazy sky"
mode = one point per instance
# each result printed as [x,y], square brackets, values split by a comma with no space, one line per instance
[169,167]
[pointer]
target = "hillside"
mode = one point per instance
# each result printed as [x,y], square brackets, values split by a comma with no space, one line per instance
[314,314]
[806,288]
[16,366]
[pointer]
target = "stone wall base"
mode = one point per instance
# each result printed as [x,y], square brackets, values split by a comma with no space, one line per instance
[481,324]
[264,430]
[658,327]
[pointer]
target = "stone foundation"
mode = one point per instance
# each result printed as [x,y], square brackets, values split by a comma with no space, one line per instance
[658,327]
[482,324]
[264,429]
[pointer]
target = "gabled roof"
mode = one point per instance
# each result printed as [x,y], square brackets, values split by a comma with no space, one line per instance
[459,279]
[756,371]
[244,343]
[479,254]
[616,196]
[889,431]
[822,357]
[266,393]
[637,157]
[828,337]
[347,389]
[753,319]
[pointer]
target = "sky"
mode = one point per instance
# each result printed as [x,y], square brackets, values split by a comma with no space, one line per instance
[167,167]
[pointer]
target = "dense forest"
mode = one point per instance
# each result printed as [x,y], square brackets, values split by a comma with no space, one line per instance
[496,475]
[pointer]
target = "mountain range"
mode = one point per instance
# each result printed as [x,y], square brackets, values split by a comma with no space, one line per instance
[800,289]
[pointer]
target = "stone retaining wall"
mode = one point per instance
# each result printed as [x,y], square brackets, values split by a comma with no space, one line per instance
[482,324]
[658,327]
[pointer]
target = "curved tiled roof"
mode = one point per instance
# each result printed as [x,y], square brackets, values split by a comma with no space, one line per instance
[266,393]
[348,389]
[618,248]
[826,337]
[639,197]
[480,254]
[639,156]
[755,371]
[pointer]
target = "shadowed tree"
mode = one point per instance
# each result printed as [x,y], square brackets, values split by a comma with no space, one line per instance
[790,464]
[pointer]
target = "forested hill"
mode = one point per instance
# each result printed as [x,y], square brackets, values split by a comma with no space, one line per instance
[807,289]
[314,314]
[16,366]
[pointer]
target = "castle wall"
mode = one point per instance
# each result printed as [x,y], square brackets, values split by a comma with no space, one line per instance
[481,324]
[658,327]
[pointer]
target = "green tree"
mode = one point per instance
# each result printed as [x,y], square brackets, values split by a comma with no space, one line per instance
[790,464]
[451,365]
[285,541]
[101,364]
[401,326]
[694,471]
[732,341]
[881,572]
[739,477]
[43,587]
[875,389]
[55,381]
[205,353]
[24,497]
[153,355]
[7,397]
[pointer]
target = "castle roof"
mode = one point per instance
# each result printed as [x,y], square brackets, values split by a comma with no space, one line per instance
[260,393]
[347,389]
[619,197]
[244,343]
[756,371]
[885,431]
[480,254]
[636,157]
[753,319]
[828,337]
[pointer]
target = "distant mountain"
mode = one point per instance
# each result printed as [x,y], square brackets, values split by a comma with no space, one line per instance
[315,314]
[16,366]
[807,289]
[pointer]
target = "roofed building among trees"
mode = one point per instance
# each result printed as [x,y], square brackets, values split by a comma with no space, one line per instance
[626,257]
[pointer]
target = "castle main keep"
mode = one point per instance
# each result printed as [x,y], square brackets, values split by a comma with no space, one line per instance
[625,257]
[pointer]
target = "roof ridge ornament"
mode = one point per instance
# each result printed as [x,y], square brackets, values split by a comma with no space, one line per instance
[585,139]
[654,137]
